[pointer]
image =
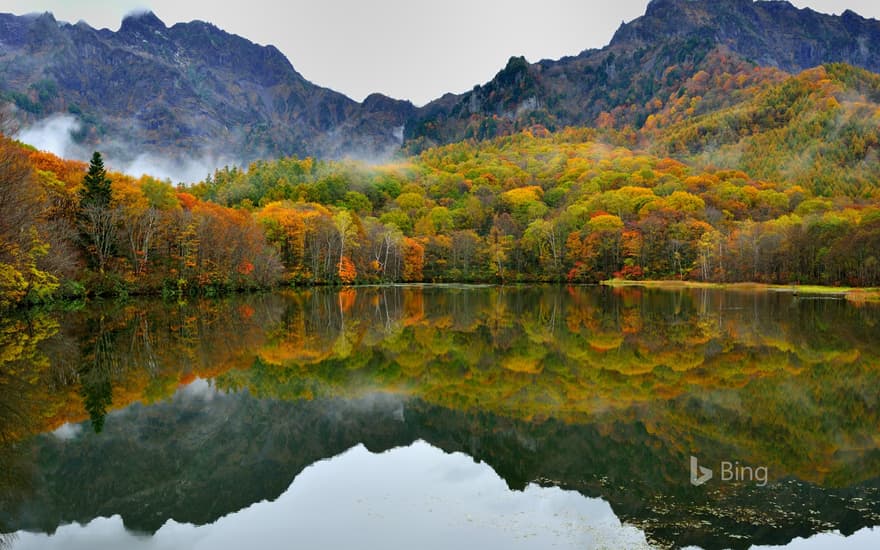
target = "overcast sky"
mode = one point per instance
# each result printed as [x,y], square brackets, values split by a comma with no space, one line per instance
[403,48]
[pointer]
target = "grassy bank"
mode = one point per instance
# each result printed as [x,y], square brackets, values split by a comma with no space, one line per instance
[852,294]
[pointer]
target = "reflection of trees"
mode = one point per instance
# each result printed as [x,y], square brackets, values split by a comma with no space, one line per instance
[110,355]
[21,364]
[99,364]
[783,378]
[23,402]
[548,381]
[235,450]
[582,354]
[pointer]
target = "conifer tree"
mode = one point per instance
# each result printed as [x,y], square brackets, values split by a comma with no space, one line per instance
[97,221]
[96,185]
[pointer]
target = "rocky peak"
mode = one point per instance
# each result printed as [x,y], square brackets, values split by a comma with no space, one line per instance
[769,32]
[632,68]
[44,30]
[45,18]
[382,103]
[141,23]
[187,90]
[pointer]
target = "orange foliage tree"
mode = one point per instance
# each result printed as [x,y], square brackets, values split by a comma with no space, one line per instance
[413,260]
[346,270]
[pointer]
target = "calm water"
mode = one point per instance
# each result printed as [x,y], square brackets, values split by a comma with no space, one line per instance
[443,416]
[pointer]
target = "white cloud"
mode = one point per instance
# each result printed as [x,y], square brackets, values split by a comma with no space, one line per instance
[187,170]
[53,134]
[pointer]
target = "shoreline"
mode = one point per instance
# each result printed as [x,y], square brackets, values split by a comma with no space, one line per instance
[857,295]
[852,294]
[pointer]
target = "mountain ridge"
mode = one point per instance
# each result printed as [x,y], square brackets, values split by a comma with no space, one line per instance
[647,60]
[183,86]
[193,90]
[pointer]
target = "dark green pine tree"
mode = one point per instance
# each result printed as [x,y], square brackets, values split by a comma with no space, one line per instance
[97,221]
[96,185]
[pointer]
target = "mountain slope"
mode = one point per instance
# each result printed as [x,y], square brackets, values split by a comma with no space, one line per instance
[193,90]
[819,129]
[647,63]
[190,87]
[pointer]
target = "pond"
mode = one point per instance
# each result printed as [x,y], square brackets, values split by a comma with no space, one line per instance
[440,416]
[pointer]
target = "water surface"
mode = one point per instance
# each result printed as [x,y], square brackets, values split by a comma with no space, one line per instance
[527,417]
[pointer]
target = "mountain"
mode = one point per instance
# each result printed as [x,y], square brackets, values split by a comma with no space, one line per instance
[192,90]
[190,87]
[646,64]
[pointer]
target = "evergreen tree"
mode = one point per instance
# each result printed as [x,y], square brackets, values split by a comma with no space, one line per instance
[96,185]
[97,221]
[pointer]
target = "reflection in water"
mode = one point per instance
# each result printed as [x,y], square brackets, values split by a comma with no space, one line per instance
[413,497]
[864,539]
[604,392]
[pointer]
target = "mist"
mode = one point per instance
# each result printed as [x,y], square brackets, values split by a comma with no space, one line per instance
[174,169]
[56,134]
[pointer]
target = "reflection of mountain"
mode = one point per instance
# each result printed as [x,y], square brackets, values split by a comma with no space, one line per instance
[195,460]
[606,392]
[765,377]
[446,499]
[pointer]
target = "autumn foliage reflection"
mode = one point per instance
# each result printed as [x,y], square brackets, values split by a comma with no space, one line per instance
[775,379]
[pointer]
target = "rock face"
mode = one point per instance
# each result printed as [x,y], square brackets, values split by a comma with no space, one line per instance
[771,33]
[191,87]
[650,57]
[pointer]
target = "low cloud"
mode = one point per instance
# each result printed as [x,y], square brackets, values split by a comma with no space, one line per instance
[142,10]
[176,170]
[55,134]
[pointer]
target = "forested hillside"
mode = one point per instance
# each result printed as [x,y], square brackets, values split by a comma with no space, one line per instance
[779,188]
[819,129]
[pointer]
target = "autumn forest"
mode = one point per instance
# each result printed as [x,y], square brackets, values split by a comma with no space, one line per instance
[237,307]
[775,183]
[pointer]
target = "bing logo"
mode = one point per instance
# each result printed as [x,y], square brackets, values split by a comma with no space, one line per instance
[730,471]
